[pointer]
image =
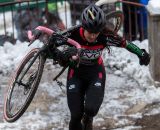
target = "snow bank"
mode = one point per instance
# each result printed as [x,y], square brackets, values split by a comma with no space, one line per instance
[11,54]
[154,6]
[127,84]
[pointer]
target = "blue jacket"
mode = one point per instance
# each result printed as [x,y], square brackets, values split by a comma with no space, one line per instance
[145,2]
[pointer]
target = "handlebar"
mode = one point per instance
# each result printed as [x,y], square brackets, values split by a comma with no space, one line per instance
[49,32]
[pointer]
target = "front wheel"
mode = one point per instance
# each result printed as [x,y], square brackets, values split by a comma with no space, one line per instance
[22,90]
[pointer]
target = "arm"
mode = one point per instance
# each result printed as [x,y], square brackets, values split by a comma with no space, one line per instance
[116,40]
[144,57]
[69,33]
[134,49]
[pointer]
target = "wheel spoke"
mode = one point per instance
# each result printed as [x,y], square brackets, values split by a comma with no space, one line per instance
[22,89]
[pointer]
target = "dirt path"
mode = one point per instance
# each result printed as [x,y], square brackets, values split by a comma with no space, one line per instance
[149,122]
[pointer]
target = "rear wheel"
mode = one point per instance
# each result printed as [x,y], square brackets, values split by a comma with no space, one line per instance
[21,93]
[114,21]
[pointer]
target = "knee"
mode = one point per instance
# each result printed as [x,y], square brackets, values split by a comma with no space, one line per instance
[92,107]
[91,110]
[76,116]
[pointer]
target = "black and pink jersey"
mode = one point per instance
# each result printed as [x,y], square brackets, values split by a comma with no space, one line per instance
[92,51]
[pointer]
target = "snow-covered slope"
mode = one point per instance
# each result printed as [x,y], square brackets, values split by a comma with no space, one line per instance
[127,84]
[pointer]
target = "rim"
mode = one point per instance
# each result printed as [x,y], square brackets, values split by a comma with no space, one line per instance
[19,94]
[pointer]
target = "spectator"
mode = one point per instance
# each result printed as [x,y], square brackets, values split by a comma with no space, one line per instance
[135,20]
[142,22]
[53,19]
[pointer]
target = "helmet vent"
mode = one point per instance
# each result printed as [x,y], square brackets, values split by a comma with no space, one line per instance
[91,15]
[93,18]
[95,24]
[100,16]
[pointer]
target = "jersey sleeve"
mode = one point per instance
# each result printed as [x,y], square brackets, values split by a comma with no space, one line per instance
[71,33]
[114,40]
[117,41]
[134,49]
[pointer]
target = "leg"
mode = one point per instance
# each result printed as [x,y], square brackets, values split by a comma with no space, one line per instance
[94,98]
[94,95]
[75,99]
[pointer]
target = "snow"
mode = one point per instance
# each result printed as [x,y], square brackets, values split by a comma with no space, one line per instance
[154,7]
[155,3]
[127,84]
[11,54]
[8,19]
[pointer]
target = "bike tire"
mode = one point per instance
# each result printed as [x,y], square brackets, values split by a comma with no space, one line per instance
[114,20]
[8,116]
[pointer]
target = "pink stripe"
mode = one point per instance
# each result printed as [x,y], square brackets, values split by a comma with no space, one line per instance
[81,31]
[93,47]
[123,43]
[46,30]
[100,60]
[71,73]
[100,75]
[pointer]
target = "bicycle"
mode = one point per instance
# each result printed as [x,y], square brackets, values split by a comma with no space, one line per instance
[26,79]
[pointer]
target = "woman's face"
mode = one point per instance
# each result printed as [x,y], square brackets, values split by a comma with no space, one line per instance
[90,37]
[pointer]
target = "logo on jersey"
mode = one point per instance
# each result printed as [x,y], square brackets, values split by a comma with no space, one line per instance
[91,54]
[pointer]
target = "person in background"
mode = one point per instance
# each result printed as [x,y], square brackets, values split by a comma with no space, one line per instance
[142,21]
[135,20]
[29,18]
[53,18]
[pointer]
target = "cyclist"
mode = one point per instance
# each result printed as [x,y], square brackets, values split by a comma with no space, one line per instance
[86,83]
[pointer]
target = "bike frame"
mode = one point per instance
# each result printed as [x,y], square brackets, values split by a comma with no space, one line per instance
[31,37]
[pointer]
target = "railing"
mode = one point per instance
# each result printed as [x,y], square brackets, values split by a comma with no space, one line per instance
[28,14]
[12,6]
[135,21]
[77,7]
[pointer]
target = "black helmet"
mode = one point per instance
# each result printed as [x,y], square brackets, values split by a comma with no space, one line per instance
[93,19]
